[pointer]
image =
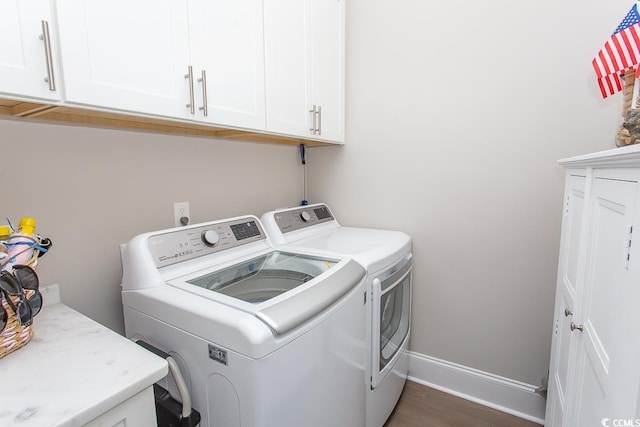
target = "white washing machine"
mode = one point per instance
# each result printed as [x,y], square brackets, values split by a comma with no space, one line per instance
[264,337]
[386,256]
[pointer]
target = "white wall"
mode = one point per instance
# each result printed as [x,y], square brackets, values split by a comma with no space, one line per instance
[456,115]
[92,189]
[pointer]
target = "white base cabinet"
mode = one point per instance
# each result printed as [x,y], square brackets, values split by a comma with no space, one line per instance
[76,372]
[138,411]
[594,375]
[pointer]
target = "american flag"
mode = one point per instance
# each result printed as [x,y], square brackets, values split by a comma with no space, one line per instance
[619,53]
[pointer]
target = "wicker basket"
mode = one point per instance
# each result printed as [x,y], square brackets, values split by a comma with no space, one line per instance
[14,335]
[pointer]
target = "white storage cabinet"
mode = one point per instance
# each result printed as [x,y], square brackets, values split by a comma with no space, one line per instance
[304,55]
[126,56]
[139,411]
[594,373]
[28,63]
[227,55]
[194,60]
[272,67]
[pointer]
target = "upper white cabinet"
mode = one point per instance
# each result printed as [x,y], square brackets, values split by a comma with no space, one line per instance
[327,67]
[124,55]
[272,70]
[28,63]
[594,369]
[304,55]
[227,55]
[287,66]
[186,59]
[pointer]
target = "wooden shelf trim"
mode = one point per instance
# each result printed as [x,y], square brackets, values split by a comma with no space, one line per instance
[78,116]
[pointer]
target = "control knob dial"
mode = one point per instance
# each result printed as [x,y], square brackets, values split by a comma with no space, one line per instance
[305,216]
[210,238]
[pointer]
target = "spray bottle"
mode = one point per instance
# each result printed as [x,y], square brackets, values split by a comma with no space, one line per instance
[21,243]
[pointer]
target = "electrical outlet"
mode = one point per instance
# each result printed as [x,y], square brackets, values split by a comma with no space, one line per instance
[181,214]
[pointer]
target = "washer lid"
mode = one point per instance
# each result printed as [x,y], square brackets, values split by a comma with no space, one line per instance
[281,289]
[304,306]
[264,277]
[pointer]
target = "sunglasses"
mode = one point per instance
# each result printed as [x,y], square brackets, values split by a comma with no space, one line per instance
[10,287]
[23,285]
[28,280]
[4,316]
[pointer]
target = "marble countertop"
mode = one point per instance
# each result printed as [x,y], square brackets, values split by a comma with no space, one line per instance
[73,370]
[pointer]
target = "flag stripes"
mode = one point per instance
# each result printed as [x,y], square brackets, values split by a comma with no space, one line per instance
[620,53]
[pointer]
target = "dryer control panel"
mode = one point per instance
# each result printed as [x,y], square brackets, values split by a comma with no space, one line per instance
[303,217]
[183,244]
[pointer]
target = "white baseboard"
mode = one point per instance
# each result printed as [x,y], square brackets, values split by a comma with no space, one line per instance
[503,394]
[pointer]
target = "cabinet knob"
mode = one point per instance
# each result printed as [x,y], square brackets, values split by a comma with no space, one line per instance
[578,327]
[567,312]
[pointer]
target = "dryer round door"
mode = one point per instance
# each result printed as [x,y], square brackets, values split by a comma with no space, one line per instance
[391,319]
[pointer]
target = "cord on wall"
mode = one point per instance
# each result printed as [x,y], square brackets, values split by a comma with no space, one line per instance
[303,160]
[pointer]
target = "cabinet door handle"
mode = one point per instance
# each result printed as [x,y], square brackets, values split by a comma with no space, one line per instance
[567,312]
[578,327]
[319,112]
[48,56]
[203,79]
[313,119]
[191,104]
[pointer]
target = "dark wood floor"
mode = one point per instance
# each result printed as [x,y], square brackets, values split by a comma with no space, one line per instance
[421,406]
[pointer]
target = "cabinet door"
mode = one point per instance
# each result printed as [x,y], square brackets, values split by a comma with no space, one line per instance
[123,55]
[326,23]
[24,49]
[605,384]
[304,59]
[226,39]
[287,67]
[138,411]
[573,211]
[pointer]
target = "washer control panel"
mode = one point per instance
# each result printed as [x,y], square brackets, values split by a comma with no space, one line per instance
[303,217]
[187,243]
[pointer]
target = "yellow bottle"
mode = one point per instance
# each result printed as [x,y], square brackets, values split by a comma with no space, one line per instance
[5,232]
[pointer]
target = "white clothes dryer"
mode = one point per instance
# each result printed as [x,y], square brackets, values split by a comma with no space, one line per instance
[386,256]
[264,337]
